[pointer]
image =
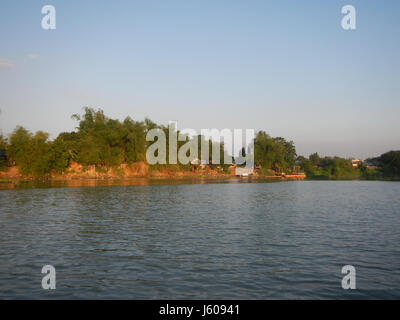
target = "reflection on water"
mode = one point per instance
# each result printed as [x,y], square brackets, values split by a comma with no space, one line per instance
[211,240]
[73,183]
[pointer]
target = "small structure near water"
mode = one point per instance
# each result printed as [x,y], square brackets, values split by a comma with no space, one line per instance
[355,163]
[199,163]
[243,172]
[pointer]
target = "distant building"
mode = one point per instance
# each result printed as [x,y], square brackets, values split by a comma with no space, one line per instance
[356,162]
[243,172]
[371,164]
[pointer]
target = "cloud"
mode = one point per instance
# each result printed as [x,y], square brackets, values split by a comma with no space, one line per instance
[32,56]
[5,64]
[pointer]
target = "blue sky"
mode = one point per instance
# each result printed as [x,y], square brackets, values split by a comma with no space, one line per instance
[286,67]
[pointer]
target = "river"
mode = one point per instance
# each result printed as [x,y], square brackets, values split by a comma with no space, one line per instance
[227,240]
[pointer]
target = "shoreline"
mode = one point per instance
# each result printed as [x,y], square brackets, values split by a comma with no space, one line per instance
[26,182]
[18,183]
[138,170]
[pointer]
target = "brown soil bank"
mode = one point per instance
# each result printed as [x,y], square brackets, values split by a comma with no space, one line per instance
[134,170]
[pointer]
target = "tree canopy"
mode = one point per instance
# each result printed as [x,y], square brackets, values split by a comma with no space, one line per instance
[104,142]
[273,153]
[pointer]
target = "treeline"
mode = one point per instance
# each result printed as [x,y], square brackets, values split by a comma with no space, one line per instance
[386,166]
[316,167]
[274,153]
[98,140]
[389,165]
[104,142]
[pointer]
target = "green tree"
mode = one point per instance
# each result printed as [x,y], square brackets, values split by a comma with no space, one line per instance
[61,156]
[20,149]
[32,153]
[274,153]
[315,158]
[389,163]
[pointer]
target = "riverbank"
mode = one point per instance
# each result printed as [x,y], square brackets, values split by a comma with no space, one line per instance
[18,184]
[140,170]
[140,173]
[21,184]
[273,235]
[11,184]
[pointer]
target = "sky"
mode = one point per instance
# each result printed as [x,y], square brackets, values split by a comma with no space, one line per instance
[286,67]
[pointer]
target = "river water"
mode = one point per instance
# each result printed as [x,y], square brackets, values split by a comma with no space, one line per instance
[286,240]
